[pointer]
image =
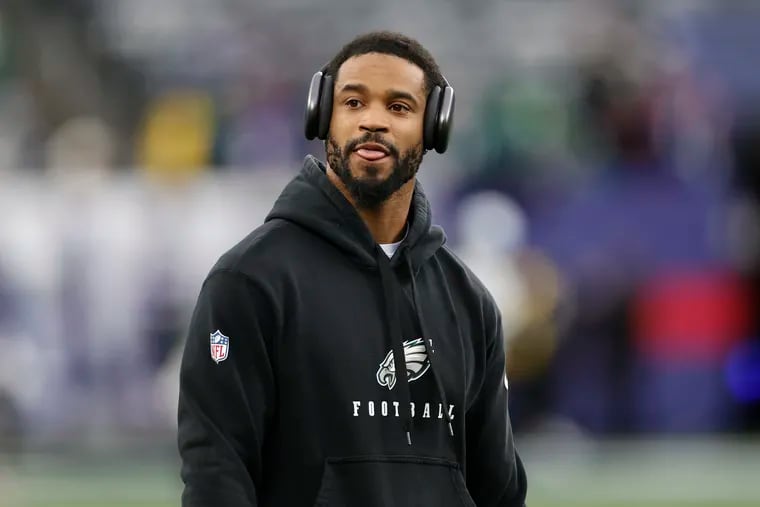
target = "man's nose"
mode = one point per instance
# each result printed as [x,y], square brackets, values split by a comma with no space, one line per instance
[373,121]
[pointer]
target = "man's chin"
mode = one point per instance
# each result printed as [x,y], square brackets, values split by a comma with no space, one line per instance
[367,171]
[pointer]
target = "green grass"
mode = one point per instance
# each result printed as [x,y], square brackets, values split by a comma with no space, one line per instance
[109,504]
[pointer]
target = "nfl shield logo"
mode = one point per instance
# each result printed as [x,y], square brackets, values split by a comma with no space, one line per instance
[220,346]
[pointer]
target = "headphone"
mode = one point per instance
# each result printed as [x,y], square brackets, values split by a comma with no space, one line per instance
[439,112]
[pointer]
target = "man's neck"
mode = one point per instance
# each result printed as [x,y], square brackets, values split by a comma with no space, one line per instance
[387,222]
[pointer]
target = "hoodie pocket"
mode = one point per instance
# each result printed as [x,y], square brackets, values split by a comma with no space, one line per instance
[392,481]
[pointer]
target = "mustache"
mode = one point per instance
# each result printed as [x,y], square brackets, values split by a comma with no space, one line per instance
[372,137]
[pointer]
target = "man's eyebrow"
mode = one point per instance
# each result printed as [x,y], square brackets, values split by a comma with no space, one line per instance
[399,94]
[354,87]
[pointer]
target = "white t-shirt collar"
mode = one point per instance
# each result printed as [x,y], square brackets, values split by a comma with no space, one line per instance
[390,248]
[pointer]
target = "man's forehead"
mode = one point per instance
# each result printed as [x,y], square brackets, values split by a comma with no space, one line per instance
[378,70]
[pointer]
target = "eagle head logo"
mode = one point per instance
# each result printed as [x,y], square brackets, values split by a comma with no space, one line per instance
[417,363]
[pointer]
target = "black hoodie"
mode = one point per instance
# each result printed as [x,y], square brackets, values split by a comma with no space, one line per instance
[290,394]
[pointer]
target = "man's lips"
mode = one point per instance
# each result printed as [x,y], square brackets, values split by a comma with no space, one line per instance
[371,151]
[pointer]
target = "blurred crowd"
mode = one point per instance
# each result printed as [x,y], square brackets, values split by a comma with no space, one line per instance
[602,180]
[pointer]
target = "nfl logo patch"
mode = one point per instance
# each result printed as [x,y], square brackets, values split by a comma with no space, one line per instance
[220,346]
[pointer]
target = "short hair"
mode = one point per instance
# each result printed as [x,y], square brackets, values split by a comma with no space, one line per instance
[390,43]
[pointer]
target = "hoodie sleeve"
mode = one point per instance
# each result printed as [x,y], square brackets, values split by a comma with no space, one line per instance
[495,474]
[224,406]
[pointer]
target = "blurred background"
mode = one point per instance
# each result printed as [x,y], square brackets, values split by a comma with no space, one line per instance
[603,180]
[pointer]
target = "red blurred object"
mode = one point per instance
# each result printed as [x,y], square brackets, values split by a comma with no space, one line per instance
[691,316]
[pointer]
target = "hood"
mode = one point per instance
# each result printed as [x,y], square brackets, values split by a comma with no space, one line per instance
[312,201]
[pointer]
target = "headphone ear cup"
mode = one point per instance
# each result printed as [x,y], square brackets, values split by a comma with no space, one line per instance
[311,113]
[431,117]
[445,120]
[325,107]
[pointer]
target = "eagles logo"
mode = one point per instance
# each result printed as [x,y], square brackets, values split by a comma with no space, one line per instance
[417,363]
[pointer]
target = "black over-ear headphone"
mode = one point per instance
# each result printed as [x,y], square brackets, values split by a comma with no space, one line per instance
[439,112]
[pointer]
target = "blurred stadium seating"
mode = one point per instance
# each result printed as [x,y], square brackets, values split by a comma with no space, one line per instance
[602,180]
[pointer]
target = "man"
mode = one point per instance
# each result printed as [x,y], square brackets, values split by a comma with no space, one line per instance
[341,354]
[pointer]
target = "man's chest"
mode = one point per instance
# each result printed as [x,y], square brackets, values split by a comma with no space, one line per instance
[340,340]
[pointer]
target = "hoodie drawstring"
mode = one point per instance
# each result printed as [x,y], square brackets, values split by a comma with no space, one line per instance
[429,346]
[393,323]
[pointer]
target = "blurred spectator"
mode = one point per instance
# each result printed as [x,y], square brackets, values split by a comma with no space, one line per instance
[177,135]
[11,426]
[81,144]
[262,127]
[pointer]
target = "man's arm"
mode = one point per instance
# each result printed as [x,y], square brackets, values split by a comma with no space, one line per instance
[495,474]
[224,406]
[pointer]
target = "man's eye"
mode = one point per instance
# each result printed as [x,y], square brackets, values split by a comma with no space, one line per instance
[353,103]
[399,108]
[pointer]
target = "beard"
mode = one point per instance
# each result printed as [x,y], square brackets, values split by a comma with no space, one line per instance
[369,193]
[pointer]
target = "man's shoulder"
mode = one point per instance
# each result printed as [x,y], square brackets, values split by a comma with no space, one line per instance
[466,279]
[270,247]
